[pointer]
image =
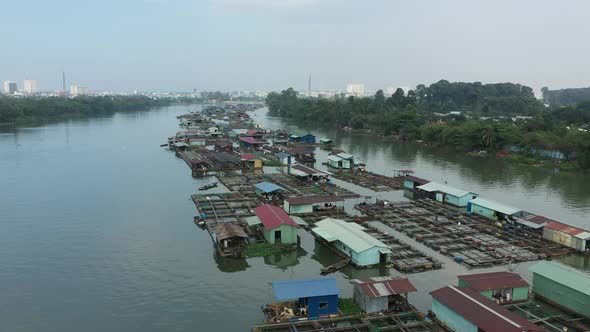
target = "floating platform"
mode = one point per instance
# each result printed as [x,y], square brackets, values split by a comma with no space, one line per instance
[370,180]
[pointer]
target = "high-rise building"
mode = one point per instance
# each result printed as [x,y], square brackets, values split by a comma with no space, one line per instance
[30,86]
[78,90]
[10,87]
[355,89]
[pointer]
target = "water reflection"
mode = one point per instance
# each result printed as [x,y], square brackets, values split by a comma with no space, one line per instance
[284,260]
[229,265]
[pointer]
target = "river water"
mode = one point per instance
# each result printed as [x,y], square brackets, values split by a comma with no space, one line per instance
[97,231]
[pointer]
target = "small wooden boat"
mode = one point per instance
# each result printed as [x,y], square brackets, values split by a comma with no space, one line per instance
[208,186]
[163,145]
[199,222]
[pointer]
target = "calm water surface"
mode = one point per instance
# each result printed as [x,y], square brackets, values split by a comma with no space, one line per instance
[97,231]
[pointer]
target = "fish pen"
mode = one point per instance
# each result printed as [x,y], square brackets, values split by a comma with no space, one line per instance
[550,317]
[370,180]
[469,240]
[222,208]
[404,257]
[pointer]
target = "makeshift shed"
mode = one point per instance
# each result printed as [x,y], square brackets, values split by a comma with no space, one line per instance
[317,297]
[492,210]
[463,309]
[567,235]
[350,239]
[269,191]
[308,173]
[382,294]
[563,285]
[230,238]
[504,287]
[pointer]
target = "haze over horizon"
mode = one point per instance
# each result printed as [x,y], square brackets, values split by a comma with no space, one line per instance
[178,45]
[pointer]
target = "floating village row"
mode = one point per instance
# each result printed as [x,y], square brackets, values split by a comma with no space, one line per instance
[276,192]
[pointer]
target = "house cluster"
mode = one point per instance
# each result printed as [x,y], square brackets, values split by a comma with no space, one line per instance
[502,214]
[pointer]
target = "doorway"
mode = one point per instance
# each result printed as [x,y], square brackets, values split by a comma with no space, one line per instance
[278,239]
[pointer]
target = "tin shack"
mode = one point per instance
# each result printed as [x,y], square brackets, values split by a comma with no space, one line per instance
[567,235]
[503,287]
[382,294]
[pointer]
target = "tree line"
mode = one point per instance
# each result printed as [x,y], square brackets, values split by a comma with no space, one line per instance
[37,109]
[465,116]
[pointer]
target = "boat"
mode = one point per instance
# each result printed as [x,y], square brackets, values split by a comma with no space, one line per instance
[199,222]
[208,186]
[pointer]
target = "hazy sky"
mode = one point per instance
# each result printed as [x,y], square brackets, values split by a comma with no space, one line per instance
[178,45]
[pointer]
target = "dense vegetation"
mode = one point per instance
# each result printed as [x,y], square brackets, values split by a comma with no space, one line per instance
[475,117]
[36,110]
[565,96]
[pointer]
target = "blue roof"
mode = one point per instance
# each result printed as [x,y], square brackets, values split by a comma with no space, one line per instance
[295,289]
[283,155]
[268,187]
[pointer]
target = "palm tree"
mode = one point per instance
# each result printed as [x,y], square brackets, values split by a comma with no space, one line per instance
[488,137]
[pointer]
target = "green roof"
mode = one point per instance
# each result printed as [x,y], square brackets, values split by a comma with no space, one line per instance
[349,233]
[565,275]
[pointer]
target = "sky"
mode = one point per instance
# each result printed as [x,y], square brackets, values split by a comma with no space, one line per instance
[181,45]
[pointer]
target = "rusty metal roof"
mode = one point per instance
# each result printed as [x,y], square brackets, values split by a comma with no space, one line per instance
[227,230]
[384,286]
[564,228]
[272,216]
[416,179]
[493,280]
[481,311]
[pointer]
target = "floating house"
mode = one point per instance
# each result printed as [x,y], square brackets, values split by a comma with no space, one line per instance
[251,161]
[411,182]
[302,138]
[464,309]
[269,191]
[285,159]
[294,205]
[223,146]
[446,194]
[255,133]
[303,155]
[250,142]
[278,227]
[567,235]
[350,239]
[562,285]
[342,160]
[224,160]
[308,299]
[492,210]
[307,173]
[325,141]
[503,287]
[382,294]
[229,238]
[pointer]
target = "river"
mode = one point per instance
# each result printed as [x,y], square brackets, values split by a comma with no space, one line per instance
[97,231]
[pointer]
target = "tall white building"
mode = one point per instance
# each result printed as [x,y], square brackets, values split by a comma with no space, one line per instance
[355,89]
[10,87]
[78,90]
[30,86]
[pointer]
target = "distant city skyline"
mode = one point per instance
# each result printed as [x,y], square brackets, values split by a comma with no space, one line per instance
[229,45]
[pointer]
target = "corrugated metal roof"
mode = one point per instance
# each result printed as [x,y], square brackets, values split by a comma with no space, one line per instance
[384,286]
[493,280]
[227,230]
[307,170]
[248,156]
[345,155]
[250,140]
[272,216]
[416,179]
[268,187]
[435,186]
[564,228]
[294,289]
[253,220]
[299,220]
[334,158]
[565,275]
[349,233]
[540,220]
[505,209]
[481,311]
[313,200]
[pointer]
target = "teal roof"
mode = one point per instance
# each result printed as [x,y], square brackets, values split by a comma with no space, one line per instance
[349,233]
[494,206]
[565,275]
[435,186]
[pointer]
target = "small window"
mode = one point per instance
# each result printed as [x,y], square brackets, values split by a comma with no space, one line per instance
[323,305]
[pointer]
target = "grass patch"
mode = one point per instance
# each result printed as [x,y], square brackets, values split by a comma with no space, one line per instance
[261,250]
[348,307]
[540,162]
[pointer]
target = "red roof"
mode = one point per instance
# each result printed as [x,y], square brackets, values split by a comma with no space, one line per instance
[384,286]
[253,132]
[493,280]
[538,219]
[248,156]
[272,216]
[557,226]
[313,200]
[250,140]
[481,311]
